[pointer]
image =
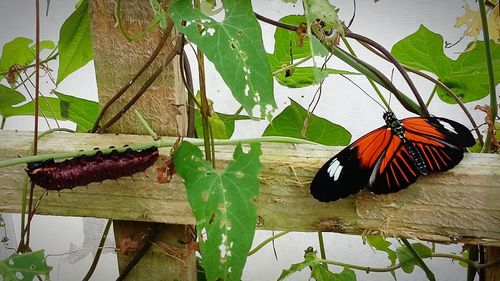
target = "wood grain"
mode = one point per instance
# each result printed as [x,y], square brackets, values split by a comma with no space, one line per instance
[460,205]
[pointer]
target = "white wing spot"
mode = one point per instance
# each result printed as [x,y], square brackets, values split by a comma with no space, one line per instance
[447,126]
[335,169]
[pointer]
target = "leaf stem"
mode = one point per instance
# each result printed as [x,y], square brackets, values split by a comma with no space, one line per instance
[268,240]
[388,55]
[491,75]
[292,65]
[145,124]
[99,251]
[374,86]
[428,272]
[321,245]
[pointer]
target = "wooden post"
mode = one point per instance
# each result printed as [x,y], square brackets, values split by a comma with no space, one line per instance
[492,273]
[116,61]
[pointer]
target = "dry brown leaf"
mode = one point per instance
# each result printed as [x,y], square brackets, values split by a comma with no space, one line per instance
[472,20]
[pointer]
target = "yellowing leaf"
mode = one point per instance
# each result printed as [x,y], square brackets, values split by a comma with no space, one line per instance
[494,24]
[472,20]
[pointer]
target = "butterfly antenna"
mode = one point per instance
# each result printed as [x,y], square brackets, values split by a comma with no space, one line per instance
[390,93]
[354,83]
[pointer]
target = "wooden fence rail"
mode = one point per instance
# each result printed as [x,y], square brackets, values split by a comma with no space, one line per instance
[461,205]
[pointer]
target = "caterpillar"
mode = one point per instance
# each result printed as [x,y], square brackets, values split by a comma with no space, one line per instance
[85,169]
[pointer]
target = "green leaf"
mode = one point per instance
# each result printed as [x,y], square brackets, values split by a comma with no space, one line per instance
[378,242]
[222,124]
[290,122]
[219,129]
[81,111]
[466,76]
[310,259]
[75,42]
[44,44]
[286,41]
[17,51]
[8,98]
[286,44]
[319,270]
[235,47]
[48,107]
[406,258]
[223,205]
[24,266]
[327,13]
[346,275]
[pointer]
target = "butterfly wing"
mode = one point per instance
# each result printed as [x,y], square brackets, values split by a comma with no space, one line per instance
[441,143]
[349,171]
[381,161]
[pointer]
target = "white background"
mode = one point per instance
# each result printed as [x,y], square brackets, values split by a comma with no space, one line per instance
[385,22]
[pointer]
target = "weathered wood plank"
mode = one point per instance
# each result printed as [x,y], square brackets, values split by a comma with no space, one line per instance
[460,205]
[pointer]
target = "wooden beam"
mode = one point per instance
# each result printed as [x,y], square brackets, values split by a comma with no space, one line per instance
[460,205]
[116,61]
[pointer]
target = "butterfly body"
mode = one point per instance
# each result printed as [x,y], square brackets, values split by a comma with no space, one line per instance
[392,157]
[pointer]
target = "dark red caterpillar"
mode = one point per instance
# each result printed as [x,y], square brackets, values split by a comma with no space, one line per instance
[82,170]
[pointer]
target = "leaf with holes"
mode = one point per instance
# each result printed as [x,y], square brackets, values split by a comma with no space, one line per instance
[290,123]
[289,48]
[75,42]
[24,266]
[223,205]
[235,47]
[467,76]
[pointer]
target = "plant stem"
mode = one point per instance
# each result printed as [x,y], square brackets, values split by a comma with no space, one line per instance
[292,65]
[374,86]
[153,56]
[270,239]
[159,143]
[141,34]
[400,68]
[205,106]
[491,75]
[99,251]
[321,245]
[422,264]
[145,125]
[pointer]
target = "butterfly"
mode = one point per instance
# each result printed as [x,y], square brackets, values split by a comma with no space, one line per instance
[392,157]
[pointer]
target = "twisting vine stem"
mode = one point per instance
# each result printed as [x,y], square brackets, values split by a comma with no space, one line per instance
[491,74]
[118,17]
